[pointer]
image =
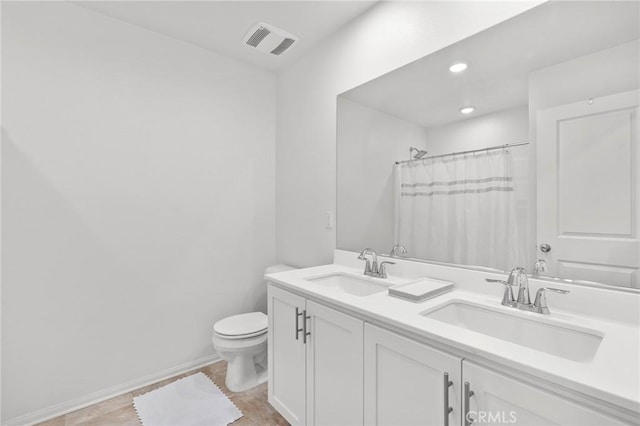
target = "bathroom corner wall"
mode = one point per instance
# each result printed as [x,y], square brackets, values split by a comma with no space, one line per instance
[369,141]
[138,184]
[387,36]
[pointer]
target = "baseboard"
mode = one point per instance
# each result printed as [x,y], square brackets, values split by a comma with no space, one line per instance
[96,397]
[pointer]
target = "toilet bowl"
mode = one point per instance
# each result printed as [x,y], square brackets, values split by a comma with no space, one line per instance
[241,340]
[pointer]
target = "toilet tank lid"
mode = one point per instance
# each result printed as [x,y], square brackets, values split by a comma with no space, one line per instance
[243,324]
[278,268]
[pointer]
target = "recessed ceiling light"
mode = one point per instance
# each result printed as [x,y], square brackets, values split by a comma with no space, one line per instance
[467,110]
[458,67]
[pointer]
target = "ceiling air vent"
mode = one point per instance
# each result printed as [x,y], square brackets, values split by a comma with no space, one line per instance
[269,39]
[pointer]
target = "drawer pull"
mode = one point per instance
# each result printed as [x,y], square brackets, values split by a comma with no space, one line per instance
[305,333]
[447,409]
[468,393]
[298,329]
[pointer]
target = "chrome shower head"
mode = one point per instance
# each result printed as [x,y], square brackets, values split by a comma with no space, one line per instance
[419,153]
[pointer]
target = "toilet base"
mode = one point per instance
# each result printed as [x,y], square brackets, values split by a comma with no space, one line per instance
[244,373]
[246,360]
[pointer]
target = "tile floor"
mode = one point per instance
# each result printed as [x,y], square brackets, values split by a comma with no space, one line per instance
[119,411]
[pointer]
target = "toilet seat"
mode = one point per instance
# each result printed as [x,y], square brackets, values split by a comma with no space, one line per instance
[242,326]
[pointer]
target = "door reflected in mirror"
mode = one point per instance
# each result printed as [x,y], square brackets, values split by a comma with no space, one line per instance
[548,158]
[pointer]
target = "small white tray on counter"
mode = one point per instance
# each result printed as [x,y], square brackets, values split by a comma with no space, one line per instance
[421,290]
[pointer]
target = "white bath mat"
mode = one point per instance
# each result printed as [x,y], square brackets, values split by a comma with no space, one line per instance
[191,401]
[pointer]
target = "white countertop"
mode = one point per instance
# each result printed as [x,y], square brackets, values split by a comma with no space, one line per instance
[613,375]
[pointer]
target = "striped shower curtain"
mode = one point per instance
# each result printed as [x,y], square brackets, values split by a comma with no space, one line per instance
[459,209]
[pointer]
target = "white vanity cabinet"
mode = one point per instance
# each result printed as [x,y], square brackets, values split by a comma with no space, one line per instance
[408,383]
[500,399]
[404,384]
[315,361]
[327,367]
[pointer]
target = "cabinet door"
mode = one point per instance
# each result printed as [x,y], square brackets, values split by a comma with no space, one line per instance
[588,162]
[286,355]
[334,367]
[404,382]
[499,399]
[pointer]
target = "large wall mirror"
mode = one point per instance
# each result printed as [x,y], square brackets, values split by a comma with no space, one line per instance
[543,173]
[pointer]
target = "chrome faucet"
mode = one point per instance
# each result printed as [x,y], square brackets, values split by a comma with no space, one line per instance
[540,266]
[371,268]
[398,250]
[518,276]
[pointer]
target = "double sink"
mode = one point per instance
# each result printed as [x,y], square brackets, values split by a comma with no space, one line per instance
[526,329]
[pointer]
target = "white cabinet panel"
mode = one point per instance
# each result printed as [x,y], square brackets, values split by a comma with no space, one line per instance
[404,382]
[334,367]
[314,379]
[286,355]
[499,399]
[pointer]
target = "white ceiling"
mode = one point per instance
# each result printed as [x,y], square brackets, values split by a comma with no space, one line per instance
[220,26]
[500,61]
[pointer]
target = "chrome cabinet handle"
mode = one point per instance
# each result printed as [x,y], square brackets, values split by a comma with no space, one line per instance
[468,393]
[545,248]
[298,329]
[447,409]
[305,333]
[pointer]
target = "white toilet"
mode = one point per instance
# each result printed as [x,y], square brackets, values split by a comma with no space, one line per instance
[241,340]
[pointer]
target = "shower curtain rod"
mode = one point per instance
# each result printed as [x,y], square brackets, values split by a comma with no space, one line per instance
[467,152]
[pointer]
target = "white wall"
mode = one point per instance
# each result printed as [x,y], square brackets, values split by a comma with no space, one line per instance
[601,73]
[497,128]
[138,201]
[389,35]
[368,144]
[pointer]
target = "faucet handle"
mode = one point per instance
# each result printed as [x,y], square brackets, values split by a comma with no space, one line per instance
[370,268]
[540,304]
[382,271]
[490,280]
[507,297]
[363,253]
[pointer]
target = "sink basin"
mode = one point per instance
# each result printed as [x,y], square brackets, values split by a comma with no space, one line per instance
[350,284]
[576,344]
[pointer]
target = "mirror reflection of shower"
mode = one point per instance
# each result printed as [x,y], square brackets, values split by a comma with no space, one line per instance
[419,153]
